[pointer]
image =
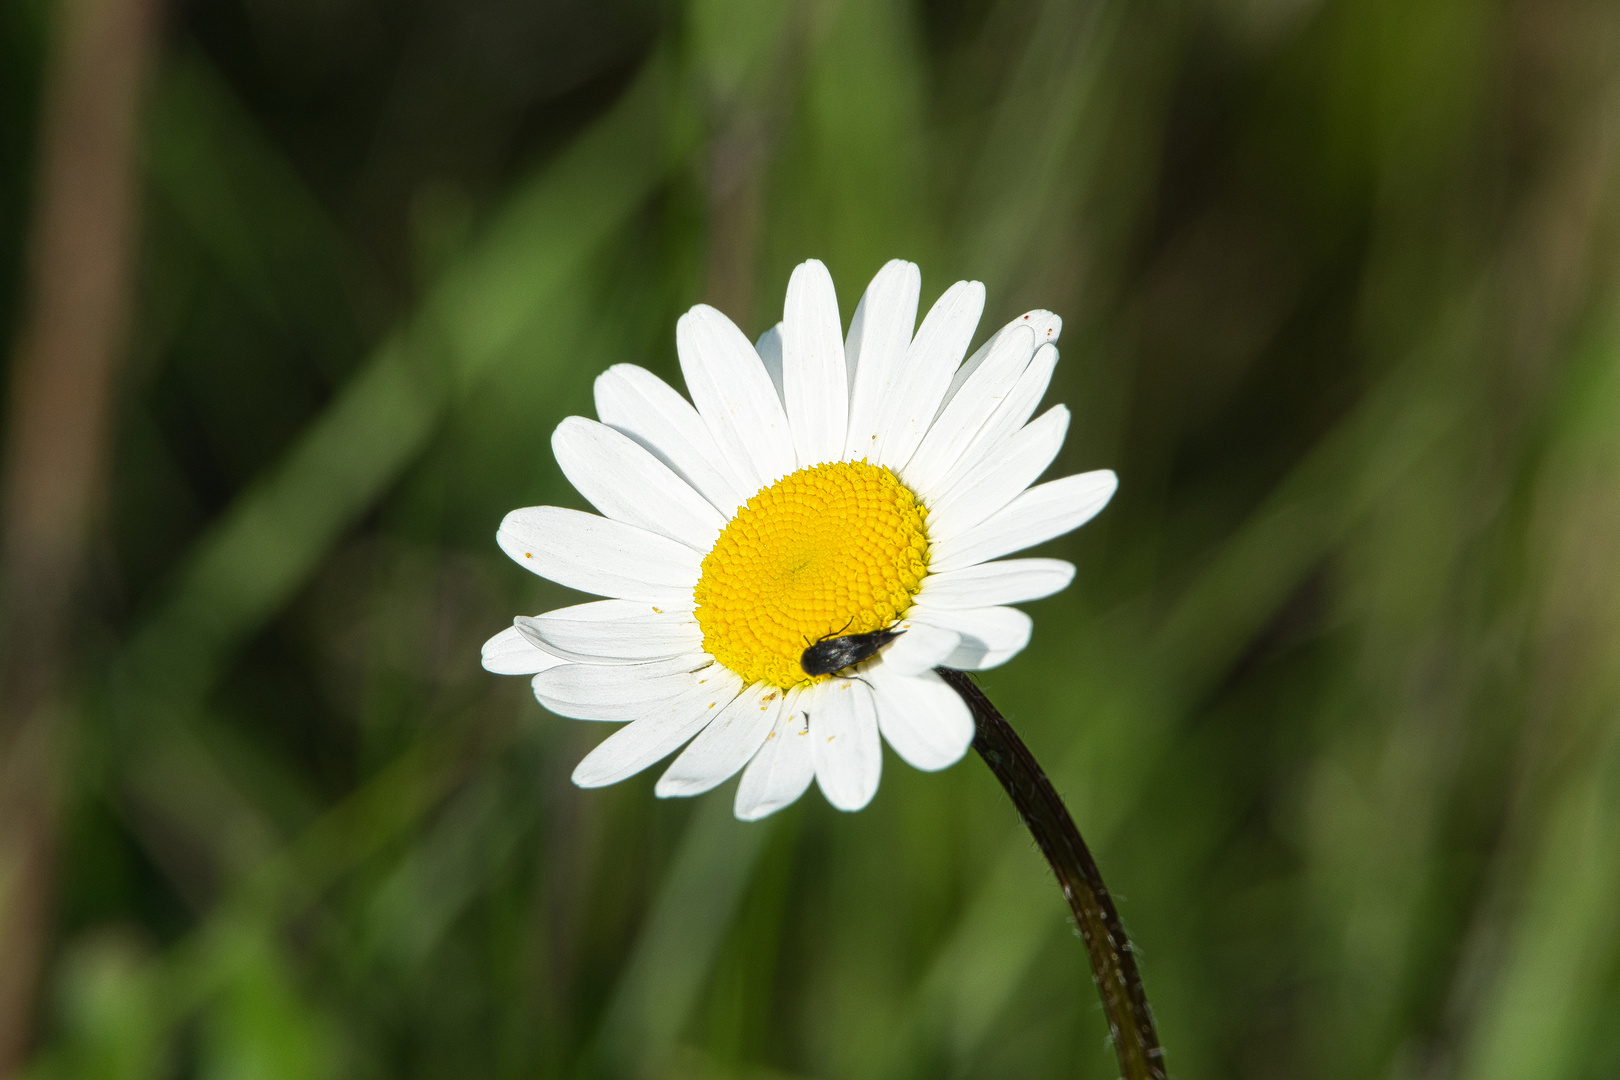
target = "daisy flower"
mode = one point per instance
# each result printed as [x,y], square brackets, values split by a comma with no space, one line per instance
[816,486]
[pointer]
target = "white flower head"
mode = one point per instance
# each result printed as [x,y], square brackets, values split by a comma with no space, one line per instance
[816,486]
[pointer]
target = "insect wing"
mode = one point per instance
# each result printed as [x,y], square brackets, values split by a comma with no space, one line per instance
[833,654]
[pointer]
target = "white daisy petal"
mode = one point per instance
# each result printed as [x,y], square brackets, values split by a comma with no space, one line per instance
[1011,415]
[725,746]
[844,738]
[1036,323]
[510,653]
[734,396]
[933,358]
[622,692]
[1001,476]
[623,480]
[966,414]
[875,351]
[926,722]
[990,636]
[895,422]
[613,630]
[650,411]
[1047,510]
[769,347]
[655,736]
[988,584]
[920,648]
[815,383]
[1046,327]
[782,769]
[596,555]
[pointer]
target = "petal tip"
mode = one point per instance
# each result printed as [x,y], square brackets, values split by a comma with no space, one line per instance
[757,811]
[668,789]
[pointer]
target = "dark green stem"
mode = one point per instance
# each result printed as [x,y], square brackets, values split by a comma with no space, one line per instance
[1113,967]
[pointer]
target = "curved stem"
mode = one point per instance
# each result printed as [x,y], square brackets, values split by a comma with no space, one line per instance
[1113,967]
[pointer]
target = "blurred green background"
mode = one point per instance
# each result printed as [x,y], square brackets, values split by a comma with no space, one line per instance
[1335,695]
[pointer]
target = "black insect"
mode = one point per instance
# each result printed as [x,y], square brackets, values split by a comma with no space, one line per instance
[833,654]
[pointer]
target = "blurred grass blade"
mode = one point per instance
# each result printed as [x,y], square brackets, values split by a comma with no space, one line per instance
[1545,1009]
[986,957]
[1035,166]
[265,547]
[261,1027]
[1551,935]
[247,207]
[527,271]
[679,940]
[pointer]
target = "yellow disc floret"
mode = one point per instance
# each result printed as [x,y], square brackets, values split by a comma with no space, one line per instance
[838,548]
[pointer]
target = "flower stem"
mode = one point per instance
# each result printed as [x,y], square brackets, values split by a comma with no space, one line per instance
[1113,967]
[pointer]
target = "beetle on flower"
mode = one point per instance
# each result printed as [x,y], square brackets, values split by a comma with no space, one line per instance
[816,486]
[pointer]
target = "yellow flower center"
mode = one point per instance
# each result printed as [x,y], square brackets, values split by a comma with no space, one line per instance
[833,549]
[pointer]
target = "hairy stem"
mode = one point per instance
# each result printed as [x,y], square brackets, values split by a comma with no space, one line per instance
[1113,967]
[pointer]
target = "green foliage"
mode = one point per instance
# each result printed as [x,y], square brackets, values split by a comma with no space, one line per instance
[1334,695]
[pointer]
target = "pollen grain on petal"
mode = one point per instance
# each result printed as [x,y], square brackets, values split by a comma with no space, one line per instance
[838,548]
